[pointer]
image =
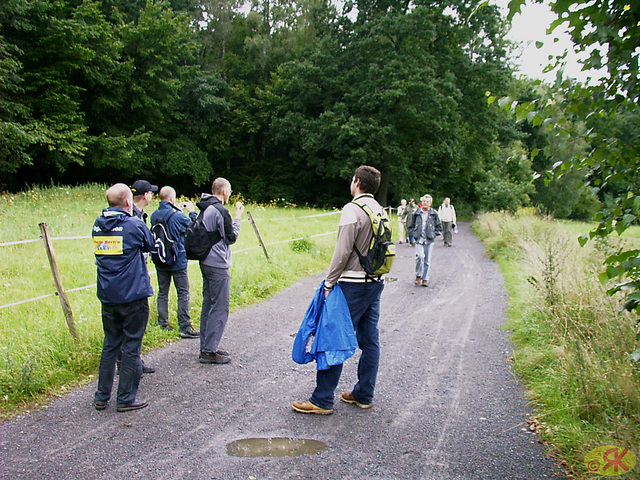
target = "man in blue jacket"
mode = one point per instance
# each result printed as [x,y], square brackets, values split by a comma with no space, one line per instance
[120,239]
[177,223]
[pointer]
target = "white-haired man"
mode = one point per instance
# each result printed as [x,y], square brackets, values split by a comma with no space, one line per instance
[426,226]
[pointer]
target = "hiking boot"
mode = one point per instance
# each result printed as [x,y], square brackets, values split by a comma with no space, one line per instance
[215,357]
[137,405]
[308,407]
[147,369]
[189,333]
[99,406]
[346,397]
[417,281]
[425,283]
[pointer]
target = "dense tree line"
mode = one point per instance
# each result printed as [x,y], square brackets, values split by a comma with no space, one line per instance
[283,98]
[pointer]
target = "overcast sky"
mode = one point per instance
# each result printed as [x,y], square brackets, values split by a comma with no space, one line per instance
[530,26]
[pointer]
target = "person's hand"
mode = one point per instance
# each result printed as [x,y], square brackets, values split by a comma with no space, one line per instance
[188,205]
[239,210]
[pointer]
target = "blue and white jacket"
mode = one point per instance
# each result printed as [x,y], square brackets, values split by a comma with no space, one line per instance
[120,240]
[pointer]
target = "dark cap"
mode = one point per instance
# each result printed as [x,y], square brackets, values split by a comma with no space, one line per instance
[140,187]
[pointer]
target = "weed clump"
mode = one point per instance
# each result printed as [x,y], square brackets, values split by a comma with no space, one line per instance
[301,245]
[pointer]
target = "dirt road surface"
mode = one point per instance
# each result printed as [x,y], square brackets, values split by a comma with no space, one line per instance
[447,404]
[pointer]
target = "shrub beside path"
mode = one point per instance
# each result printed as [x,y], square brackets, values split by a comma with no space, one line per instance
[447,404]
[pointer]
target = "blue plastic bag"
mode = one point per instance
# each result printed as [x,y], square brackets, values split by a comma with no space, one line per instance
[326,334]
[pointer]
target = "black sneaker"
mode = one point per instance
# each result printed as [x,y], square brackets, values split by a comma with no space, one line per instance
[137,405]
[189,333]
[147,369]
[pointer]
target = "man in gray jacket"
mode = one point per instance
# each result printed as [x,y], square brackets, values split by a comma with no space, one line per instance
[363,297]
[215,270]
[426,227]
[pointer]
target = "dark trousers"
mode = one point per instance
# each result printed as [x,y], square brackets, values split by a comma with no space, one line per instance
[364,306]
[181,282]
[216,284]
[123,326]
[447,232]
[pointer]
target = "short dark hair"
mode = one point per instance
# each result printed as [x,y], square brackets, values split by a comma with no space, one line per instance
[369,178]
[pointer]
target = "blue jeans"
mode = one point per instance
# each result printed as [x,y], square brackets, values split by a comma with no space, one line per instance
[124,326]
[215,306]
[364,306]
[423,259]
[181,282]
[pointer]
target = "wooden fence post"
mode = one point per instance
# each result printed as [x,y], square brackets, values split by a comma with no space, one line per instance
[64,301]
[255,229]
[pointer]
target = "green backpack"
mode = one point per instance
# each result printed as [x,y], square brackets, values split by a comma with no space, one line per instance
[382,250]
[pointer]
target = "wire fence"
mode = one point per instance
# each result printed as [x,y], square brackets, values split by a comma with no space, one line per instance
[81,237]
[19,242]
[33,240]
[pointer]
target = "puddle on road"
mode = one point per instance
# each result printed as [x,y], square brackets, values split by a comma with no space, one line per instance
[275,447]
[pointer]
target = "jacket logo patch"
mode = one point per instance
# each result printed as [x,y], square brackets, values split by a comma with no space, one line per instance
[108,245]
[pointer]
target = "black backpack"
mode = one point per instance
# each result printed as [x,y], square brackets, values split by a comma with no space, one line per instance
[198,241]
[166,250]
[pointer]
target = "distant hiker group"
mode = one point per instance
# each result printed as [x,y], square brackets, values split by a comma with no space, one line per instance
[419,225]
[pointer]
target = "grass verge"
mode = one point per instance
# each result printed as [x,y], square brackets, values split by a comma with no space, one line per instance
[571,340]
[39,358]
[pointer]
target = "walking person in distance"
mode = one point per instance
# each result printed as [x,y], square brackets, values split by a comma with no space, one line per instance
[426,227]
[447,214]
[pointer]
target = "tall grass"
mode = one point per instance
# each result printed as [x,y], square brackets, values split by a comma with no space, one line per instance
[38,356]
[572,343]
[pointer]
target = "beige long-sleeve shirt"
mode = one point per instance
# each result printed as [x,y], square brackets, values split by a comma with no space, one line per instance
[355,229]
[447,214]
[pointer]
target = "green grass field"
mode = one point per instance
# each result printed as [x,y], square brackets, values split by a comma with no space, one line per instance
[39,356]
[572,343]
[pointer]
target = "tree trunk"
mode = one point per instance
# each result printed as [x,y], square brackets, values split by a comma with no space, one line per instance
[383,191]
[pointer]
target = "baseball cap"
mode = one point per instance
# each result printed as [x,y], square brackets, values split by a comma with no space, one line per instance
[140,187]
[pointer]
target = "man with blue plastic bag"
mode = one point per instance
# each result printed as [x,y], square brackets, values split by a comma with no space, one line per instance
[362,294]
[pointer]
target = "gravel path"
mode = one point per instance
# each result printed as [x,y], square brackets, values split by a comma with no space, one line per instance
[447,404]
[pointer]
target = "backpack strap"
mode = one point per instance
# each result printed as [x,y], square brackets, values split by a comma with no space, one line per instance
[370,214]
[165,218]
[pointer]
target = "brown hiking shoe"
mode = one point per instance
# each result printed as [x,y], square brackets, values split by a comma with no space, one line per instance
[417,280]
[425,283]
[214,358]
[308,407]
[348,398]
[189,332]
